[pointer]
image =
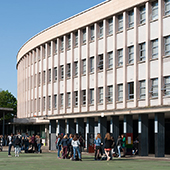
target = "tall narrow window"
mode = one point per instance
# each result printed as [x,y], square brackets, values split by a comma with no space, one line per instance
[44,103]
[142,15]
[167,46]
[92,64]
[166,88]
[110,26]
[131,54]
[154,10]
[142,89]
[55,101]
[39,102]
[131,18]
[44,77]
[44,51]
[69,41]
[120,92]
[49,52]
[55,46]
[101,95]
[155,48]
[62,99]
[84,66]
[76,68]
[92,32]
[76,38]
[167,7]
[69,99]
[110,94]
[76,98]
[142,52]
[131,90]
[120,22]
[62,44]
[154,88]
[84,35]
[84,97]
[68,70]
[110,59]
[49,102]
[120,57]
[100,65]
[55,73]
[39,78]
[100,29]
[49,75]
[91,96]
[62,72]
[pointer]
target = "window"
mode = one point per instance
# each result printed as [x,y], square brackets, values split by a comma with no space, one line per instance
[44,77]
[55,101]
[68,70]
[44,51]
[110,26]
[35,80]
[120,92]
[91,96]
[120,22]
[110,59]
[62,44]
[101,95]
[55,73]
[55,46]
[69,99]
[76,68]
[155,49]
[84,97]
[84,35]
[62,72]
[110,94]
[76,98]
[120,57]
[142,52]
[131,90]
[84,66]
[49,75]
[154,88]
[49,53]
[69,41]
[92,64]
[100,29]
[43,103]
[38,51]
[39,100]
[92,32]
[154,10]
[76,38]
[131,19]
[62,99]
[167,7]
[39,78]
[166,88]
[49,102]
[131,54]
[142,89]
[100,65]
[142,14]
[167,46]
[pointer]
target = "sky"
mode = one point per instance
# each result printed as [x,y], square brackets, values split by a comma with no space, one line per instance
[22,19]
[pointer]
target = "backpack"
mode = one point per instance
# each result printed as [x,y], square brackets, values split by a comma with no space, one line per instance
[17,141]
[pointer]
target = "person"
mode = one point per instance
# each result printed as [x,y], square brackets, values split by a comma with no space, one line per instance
[123,144]
[10,141]
[97,142]
[17,145]
[135,146]
[108,145]
[26,142]
[70,147]
[59,145]
[76,143]
[1,143]
[33,143]
[113,146]
[38,141]
[64,144]
[119,144]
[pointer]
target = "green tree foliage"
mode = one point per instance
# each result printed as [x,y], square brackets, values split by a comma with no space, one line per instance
[9,101]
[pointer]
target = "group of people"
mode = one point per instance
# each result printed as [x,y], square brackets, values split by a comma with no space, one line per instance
[70,147]
[27,143]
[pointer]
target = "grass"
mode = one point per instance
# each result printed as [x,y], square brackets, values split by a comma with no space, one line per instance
[49,161]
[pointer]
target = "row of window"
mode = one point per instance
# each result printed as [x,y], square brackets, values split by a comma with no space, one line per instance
[142,92]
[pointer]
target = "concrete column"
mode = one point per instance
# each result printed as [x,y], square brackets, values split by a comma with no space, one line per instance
[128,124]
[143,134]
[159,135]
[61,126]
[114,126]
[13,129]
[46,135]
[102,126]
[80,126]
[52,134]
[71,128]
[3,124]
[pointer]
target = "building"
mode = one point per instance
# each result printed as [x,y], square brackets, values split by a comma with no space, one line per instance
[105,69]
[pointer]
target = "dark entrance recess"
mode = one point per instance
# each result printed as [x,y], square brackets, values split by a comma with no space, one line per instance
[167,136]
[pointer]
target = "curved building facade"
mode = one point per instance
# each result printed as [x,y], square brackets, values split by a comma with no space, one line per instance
[105,69]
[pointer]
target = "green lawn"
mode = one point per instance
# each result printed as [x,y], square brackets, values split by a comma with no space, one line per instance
[49,161]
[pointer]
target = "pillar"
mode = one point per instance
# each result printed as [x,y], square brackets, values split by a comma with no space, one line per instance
[143,134]
[71,128]
[61,126]
[128,124]
[13,129]
[102,126]
[114,126]
[159,135]
[52,134]
[3,124]
[80,126]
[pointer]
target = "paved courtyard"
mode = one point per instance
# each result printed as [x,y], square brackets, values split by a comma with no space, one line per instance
[49,161]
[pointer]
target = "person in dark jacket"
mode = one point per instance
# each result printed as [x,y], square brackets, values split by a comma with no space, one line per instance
[17,144]
[64,143]
[108,145]
[119,144]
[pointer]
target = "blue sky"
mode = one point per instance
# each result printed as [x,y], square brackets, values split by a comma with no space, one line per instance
[22,19]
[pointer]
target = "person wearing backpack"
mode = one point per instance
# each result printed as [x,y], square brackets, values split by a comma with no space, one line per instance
[17,144]
[59,145]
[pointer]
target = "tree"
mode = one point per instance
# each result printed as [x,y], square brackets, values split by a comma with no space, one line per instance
[9,101]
